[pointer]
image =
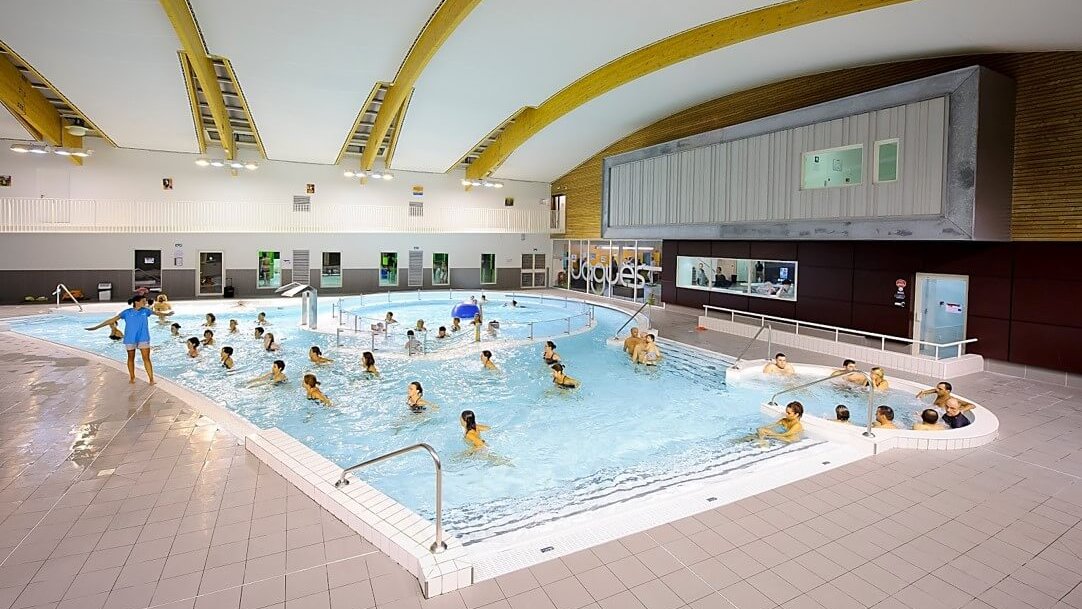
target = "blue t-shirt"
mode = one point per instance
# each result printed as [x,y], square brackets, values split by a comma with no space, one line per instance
[136,328]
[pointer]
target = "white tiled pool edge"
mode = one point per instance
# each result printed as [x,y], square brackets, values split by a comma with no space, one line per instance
[396,530]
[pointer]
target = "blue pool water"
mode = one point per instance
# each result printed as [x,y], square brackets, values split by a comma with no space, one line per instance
[551,451]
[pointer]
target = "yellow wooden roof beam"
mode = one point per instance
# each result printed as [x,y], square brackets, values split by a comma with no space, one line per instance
[31,108]
[191,42]
[659,55]
[439,27]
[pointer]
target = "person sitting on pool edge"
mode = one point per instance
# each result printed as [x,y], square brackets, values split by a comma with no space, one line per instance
[227,357]
[415,398]
[879,379]
[274,377]
[841,414]
[884,418]
[486,360]
[456,325]
[312,390]
[780,366]
[315,354]
[790,425]
[954,416]
[468,420]
[193,347]
[848,373]
[562,380]
[442,332]
[368,362]
[632,342]
[942,392]
[412,344]
[929,421]
[208,338]
[549,354]
[648,352]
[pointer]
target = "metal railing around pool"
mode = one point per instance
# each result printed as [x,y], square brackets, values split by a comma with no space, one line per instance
[769,329]
[871,396]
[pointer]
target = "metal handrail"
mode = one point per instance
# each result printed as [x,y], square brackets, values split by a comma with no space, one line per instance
[636,314]
[439,545]
[60,286]
[769,343]
[871,395]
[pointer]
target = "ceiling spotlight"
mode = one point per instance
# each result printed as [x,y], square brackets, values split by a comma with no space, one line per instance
[217,163]
[497,184]
[250,166]
[20,148]
[76,128]
[38,150]
[349,174]
[465,182]
[202,162]
[388,176]
[62,151]
[376,175]
[476,183]
[237,165]
[81,153]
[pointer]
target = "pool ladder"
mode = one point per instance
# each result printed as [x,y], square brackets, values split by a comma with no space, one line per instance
[63,289]
[769,344]
[871,396]
[439,545]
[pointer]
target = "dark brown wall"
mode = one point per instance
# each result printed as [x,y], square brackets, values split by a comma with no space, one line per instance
[1021,295]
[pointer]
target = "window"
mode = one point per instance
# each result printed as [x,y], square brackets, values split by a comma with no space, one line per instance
[761,278]
[488,269]
[441,272]
[832,168]
[330,275]
[269,273]
[388,269]
[886,161]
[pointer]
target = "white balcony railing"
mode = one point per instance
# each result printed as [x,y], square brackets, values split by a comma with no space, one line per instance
[24,215]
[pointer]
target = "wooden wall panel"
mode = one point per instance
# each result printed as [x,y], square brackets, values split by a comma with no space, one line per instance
[1047,195]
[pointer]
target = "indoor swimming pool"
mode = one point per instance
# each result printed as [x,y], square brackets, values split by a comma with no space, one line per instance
[628,432]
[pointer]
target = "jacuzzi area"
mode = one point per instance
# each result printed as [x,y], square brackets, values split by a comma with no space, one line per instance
[634,447]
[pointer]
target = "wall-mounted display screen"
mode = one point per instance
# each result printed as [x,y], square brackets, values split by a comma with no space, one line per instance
[269,274]
[388,269]
[749,277]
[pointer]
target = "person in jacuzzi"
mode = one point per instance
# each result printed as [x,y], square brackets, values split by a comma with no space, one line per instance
[788,429]
[631,343]
[648,352]
[879,379]
[208,338]
[269,344]
[562,380]
[942,392]
[415,398]
[549,354]
[779,366]
[513,304]
[848,373]
[162,308]
[841,414]
[114,332]
[884,418]
[954,416]
[929,421]
[456,325]
[233,327]
[258,332]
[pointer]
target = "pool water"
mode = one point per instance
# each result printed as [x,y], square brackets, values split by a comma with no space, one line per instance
[628,431]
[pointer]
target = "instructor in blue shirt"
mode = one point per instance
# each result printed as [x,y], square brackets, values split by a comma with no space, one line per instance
[136,333]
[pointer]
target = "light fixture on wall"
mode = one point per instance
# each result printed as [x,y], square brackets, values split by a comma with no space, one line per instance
[37,148]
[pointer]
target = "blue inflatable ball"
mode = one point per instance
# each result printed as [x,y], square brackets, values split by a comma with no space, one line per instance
[465,310]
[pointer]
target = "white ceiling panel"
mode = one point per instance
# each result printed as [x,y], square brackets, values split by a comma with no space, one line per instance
[306,68]
[116,60]
[10,128]
[918,29]
[513,53]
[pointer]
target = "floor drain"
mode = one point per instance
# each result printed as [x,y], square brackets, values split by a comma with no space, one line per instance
[547,549]
[711,498]
[826,462]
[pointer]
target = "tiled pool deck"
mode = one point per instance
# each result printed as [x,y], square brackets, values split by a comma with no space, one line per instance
[122,497]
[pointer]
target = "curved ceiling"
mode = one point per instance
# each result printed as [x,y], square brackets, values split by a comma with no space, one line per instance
[307,69]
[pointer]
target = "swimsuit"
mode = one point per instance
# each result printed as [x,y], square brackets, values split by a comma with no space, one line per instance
[549,361]
[415,408]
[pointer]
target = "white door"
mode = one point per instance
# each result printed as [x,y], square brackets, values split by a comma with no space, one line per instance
[940,308]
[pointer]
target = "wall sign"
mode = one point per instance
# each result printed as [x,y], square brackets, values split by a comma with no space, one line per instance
[899,293]
[178,254]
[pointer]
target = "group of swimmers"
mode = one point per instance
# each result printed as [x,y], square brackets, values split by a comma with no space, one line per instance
[642,350]
[788,428]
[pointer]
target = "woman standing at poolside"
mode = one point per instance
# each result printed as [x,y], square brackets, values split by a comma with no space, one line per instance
[136,334]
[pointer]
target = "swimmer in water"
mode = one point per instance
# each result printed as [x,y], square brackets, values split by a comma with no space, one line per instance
[493,328]
[274,377]
[779,366]
[389,319]
[368,362]
[162,308]
[848,373]
[208,338]
[316,355]
[174,329]
[513,304]
[549,355]
[261,320]
[420,327]
[631,343]
[193,347]
[259,332]
[473,430]
[929,421]
[269,343]
[442,333]
[788,428]
[562,380]
[209,323]
[233,329]
[456,324]
[879,379]
[841,414]
[415,398]
[648,352]
[227,357]
[473,300]
[486,360]
[884,418]
[114,332]
[412,344]
[312,390]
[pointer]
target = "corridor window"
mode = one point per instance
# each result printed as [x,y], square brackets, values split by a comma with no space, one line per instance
[488,269]
[388,269]
[886,161]
[832,168]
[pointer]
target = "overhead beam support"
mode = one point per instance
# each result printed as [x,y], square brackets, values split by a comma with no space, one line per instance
[439,27]
[191,42]
[33,110]
[657,56]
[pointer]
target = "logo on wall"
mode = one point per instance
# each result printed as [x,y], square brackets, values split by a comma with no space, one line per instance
[310,189]
[418,191]
[5,181]
[899,293]
[626,274]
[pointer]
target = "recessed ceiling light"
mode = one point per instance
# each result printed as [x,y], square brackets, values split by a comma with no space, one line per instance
[202,162]
[251,166]
[19,148]
[237,165]
[348,173]
[76,130]
[62,152]
[497,184]
[217,164]
[376,175]
[82,153]
[465,182]
[38,150]
[388,176]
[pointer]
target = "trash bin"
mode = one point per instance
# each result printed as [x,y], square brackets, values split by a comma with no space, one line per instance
[105,291]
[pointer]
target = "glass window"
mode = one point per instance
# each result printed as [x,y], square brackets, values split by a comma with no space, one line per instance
[330,274]
[761,278]
[832,168]
[886,160]
[269,274]
[441,272]
[560,263]
[488,269]
[388,268]
[578,265]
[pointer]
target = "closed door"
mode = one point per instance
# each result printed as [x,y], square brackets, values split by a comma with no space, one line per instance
[147,270]
[940,309]
[211,280]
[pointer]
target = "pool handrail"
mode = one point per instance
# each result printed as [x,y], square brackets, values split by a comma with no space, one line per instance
[837,330]
[439,545]
[769,344]
[63,287]
[629,320]
[871,396]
